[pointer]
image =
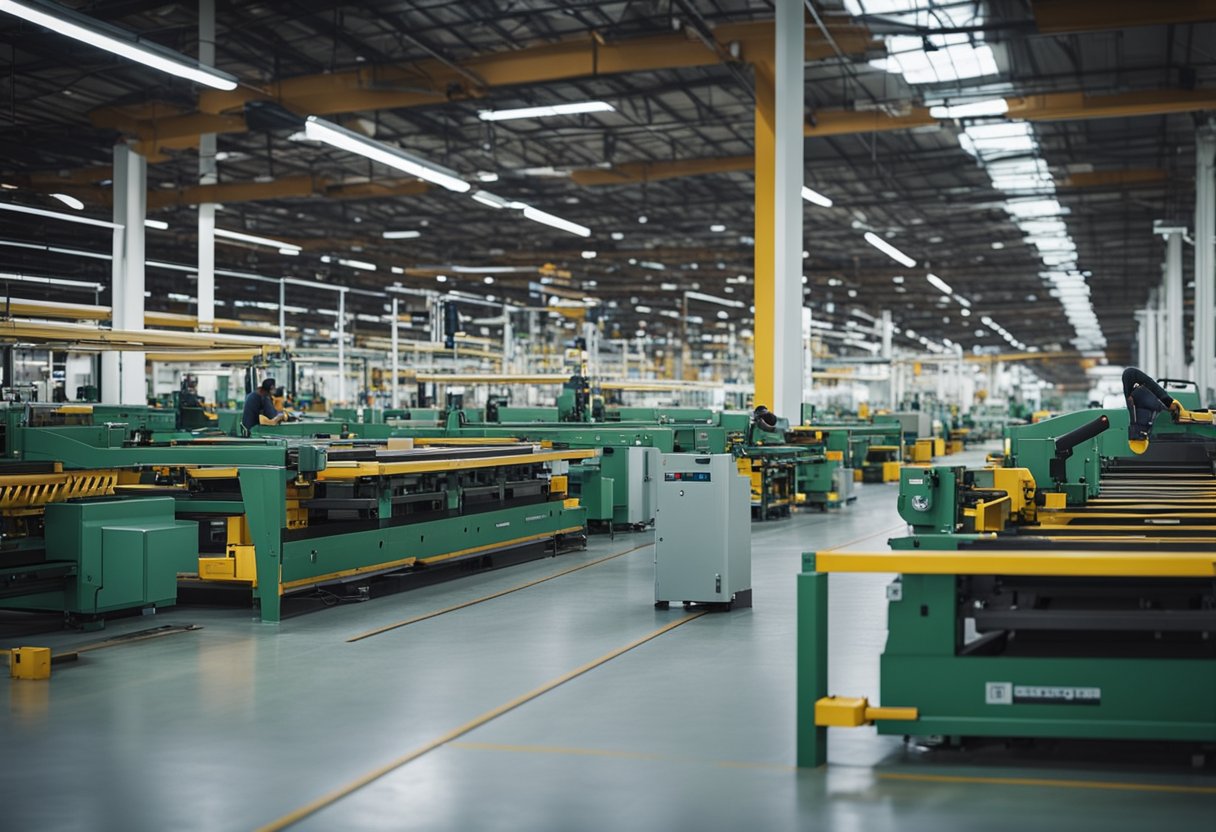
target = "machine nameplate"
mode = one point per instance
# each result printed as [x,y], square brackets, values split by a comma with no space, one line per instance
[687,476]
[916,481]
[1054,695]
[1007,693]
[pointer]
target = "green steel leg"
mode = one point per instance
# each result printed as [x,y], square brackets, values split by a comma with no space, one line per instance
[264,492]
[812,662]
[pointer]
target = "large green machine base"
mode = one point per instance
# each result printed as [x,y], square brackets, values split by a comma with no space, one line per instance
[1136,699]
[105,555]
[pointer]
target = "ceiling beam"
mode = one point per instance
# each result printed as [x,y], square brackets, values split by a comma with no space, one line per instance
[431,81]
[848,122]
[1106,178]
[629,172]
[1057,17]
[287,187]
[1068,106]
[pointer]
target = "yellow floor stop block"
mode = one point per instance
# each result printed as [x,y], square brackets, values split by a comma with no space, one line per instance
[30,663]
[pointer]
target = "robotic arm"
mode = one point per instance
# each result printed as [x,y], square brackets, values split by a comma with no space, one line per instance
[1145,399]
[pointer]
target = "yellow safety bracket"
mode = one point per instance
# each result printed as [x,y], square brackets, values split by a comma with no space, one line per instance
[1055,500]
[1194,417]
[853,712]
[30,663]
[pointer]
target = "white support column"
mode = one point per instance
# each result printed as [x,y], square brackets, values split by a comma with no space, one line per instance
[282,313]
[207,175]
[342,347]
[124,378]
[508,341]
[1205,264]
[888,333]
[1163,337]
[789,105]
[395,362]
[1142,338]
[1151,342]
[1175,349]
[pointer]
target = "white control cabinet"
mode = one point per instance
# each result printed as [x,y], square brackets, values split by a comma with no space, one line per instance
[703,532]
[644,476]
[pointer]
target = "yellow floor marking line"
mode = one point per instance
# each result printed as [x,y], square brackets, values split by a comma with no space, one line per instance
[867,537]
[320,803]
[1044,781]
[424,616]
[614,754]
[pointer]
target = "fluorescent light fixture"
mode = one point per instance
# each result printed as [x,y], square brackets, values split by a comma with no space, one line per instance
[940,284]
[545,112]
[401,235]
[491,269]
[56,215]
[492,200]
[717,228]
[336,136]
[57,250]
[815,198]
[159,225]
[974,109]
[554,221]
[362,265]
[70,201]
[242,237]
[51,281]
[714,299]
[486,176]
[588,255]
[290,252]
[889,250]
[64,21]
[488,280]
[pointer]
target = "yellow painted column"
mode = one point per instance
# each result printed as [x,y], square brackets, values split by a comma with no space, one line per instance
[764,265]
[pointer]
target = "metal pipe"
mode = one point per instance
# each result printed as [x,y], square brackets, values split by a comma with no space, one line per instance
[396,398]
[208,174]
[1205,263]
[342,347]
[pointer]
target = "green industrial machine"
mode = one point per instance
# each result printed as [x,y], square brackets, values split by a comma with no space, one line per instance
[101,516]
[90,556]
[614,484]
[616,487]
[821,478]
[872,450]
[1067,593]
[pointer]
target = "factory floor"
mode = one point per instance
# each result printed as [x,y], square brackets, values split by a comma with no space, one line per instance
[240,725]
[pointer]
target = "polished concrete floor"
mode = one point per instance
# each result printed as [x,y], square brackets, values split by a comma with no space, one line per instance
[239,724]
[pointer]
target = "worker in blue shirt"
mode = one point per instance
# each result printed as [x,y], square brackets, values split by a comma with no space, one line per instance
[260,409]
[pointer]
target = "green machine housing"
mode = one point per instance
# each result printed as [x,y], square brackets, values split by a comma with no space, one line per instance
[1022,607]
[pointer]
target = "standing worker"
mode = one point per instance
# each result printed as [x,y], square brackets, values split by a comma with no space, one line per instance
[1145,399]
[260,409]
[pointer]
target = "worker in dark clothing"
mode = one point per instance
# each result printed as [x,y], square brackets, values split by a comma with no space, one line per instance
[1145,399]
[260,409]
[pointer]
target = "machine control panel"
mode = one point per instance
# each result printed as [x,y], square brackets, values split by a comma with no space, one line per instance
[687,476]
